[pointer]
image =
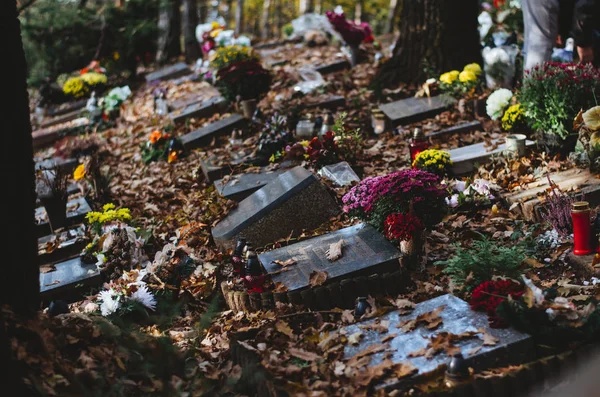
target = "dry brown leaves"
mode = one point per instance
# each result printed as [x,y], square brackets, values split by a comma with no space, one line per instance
[431,320]
[317,278]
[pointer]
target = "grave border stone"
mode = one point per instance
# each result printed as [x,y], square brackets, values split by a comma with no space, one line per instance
[433,106]
[50,290]
[201,109]
[73,218]
[170,72]
[234,192]
[198,138]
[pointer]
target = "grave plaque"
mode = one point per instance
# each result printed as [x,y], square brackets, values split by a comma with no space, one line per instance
[61,119]
[364,252]
[409,110]
[576,182]
[170,72]
[204,135]
[66,108]
[331,103]
[48,135]
[76,211]
[460,128]
[67,277]
[238,187]
[333,67]
[512,347]
[67,165]
[198,110]
[57,247]
[295,200]
[464,158]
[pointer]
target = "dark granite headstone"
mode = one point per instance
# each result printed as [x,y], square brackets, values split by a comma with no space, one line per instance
[170,72]
[46,136]
[66,108]
[198,110]
[76,211]
[204,135]
[464,158]
[67,277]
[67,165]
[513,347]
[215,167]
[70,243]
[365,251]
[410,110]
[460,128]
[333,67]
[294,201]
[240,186]
[331,103]
[61,119]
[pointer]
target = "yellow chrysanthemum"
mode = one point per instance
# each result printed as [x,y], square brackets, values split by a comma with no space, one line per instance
[75,86]
[108,207]
[93,79]
[79,172]
[449,77]
[466,76]
[473,67]
[515,114]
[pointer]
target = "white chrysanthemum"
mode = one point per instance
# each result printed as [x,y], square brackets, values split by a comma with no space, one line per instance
[145,297]
[110,302]
[452,201]
[497,102]
[100,260]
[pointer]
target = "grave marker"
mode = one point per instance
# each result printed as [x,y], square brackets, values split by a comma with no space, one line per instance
[332,102]
[170,72]
[76,210]
[198,110]
[294,201]
[61,119]
[204,135]
[46,136]
[365,251]
[460,128]
[333,67]
[70,243]
[68,276]
[464,158]
[513,347]
[66,108]
[240,186]
[409,110]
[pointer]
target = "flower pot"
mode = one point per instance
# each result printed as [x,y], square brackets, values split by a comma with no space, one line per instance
[414,246]
[56,208]
[553,144]
[354,55]
[515,144]
[249,107]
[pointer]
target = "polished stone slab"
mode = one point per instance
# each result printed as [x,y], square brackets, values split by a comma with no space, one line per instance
[333,67]
[465,158]
[333,102]
[59,247]
[204,135]
[198,110]
[410,110]
[365,251]
[63,118]
[68,277]
[76,210]
[512,347]
[170,72]
[238,187]
[457,129]
[294,201]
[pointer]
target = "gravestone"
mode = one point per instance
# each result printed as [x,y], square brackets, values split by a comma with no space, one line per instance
[333,67]
[61,119]
[512,348]
[238,187]
[365,251]
[170,72]
[457,129]
[76,210]
[67,277]
[576,182]
[198,110]
[204,135]
[464,158]
[66,108]
[409,110]
[217,167]
[49,135]
[332,102]
[67,165]
[295,200]
[59,247]
[277,43]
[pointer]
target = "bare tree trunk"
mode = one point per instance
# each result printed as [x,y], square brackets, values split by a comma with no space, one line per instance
[265,19]
[318,6]
[169,24]
[203,10]
[189,18]
[392,12]
[278,18]
[306,6]
[358,7]
[228,14]
[439,34]
[239,17]
[20,287]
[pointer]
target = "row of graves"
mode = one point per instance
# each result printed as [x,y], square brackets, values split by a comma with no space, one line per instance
[333,234]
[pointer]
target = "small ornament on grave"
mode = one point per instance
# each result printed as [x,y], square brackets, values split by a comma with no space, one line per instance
[328,123]
[361,307]
[254,278]
[418,143]
[582,228]
[274,138]
[305,127]
[377,121]
[160,102]
[457,371]
[237,261]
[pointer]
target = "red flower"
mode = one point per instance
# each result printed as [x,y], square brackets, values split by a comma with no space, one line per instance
[499,3]
[490,294]
[401,227]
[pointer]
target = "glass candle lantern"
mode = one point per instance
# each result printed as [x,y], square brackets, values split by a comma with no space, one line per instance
[417,144]
[305,127]
[582,228]
[377,121]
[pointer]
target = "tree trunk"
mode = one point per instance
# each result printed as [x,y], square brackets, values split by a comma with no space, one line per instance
[318,6]
[239,17]
[278,18]
[306,6]
[20,272]
[228,13]
[169,25]
[358,7]
[438,35]
[203,10]
[189,18]
[392,12]
[265,19]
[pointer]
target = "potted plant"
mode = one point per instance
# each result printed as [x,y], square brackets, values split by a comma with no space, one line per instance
[352,33]
[465,86]
[52,192]
[552,95]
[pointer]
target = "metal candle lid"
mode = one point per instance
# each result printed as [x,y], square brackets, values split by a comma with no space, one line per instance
[580,206]
[418,134]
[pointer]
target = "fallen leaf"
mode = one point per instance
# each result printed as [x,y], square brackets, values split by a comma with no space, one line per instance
[47,268]
[303,354]
[279,287]
[287,263]
[488,339]
[388,337]
[317,278]
[335,251]
[533,263]
[354,339]
[284,328]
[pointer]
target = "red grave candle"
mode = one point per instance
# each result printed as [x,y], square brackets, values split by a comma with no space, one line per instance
[582,228]
[418,143]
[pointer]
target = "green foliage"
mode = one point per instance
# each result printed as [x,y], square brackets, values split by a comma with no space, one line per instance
[288,30]
[470,266]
